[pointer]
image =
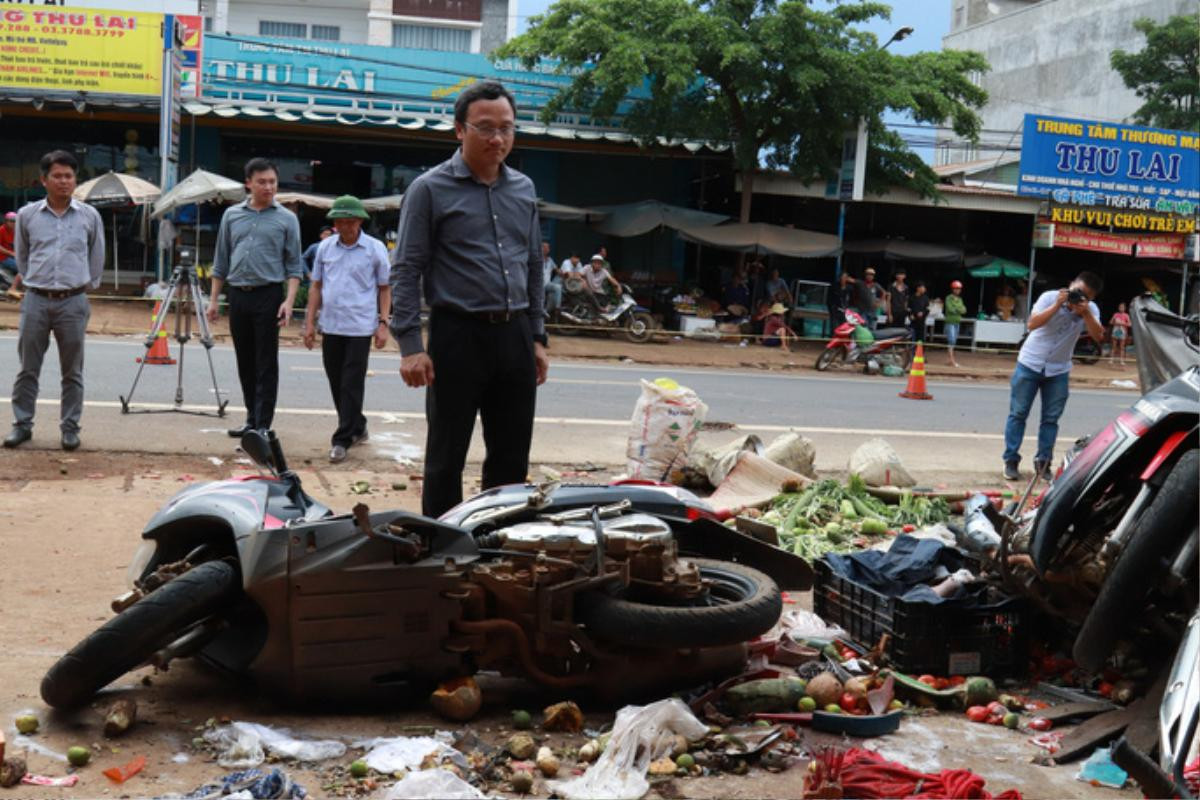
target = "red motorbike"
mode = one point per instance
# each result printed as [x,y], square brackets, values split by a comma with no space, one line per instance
[854,343]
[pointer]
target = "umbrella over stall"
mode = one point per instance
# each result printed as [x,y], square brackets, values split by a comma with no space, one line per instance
[997,268]
[116,190]
[201,186]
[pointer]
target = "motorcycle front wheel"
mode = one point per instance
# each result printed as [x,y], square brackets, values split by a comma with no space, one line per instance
[740,604]
[640,327]
[830,356]
[129,639]
[1170,518]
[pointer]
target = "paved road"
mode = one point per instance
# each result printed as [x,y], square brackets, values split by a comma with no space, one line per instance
[584,409]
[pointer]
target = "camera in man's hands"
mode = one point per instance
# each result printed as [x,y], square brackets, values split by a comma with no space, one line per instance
[1076,297]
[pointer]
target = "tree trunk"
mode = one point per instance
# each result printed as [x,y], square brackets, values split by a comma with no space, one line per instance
[747,194]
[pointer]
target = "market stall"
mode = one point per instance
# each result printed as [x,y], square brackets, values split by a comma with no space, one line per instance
[993,329]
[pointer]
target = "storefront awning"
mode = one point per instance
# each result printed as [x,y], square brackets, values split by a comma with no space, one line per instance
[756,237]
[904,250]
[569,213]
[634,219]
[389,202]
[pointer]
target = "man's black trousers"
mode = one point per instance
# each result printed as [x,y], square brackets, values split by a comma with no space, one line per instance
[478,367]
[345,359]
[254,326]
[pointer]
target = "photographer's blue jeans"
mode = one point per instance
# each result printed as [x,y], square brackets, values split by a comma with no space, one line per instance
[1025,385]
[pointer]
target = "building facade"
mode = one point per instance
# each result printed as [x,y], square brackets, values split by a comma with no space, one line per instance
[461,26]
[1048,57]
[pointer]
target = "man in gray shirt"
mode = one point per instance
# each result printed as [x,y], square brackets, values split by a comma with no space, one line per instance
[469,230]
[60,254]
[258,249]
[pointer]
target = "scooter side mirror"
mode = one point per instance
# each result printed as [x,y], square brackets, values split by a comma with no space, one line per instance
[258,448]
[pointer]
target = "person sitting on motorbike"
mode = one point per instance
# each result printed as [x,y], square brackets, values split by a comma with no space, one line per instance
[603,285]
[8,249]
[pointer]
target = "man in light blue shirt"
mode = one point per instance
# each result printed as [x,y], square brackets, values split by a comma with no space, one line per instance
[351,291]
[1044,365]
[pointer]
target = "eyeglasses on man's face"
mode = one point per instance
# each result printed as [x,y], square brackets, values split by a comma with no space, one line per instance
[488,132]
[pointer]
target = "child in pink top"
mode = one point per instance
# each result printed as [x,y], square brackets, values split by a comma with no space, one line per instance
[1121,325]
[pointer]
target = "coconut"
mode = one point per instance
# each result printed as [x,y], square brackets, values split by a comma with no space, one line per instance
[825,689]
[858,687]
[522,782]
[547,762]
[457,700]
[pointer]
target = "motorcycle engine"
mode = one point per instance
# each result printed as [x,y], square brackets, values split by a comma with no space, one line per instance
[576,540]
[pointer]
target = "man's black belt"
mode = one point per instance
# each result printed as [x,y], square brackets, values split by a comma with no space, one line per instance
[490,317]
[58,294]
[255,287]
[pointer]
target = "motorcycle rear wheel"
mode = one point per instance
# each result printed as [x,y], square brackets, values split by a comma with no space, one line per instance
[830,356]
[744,603]
[129,639]
[1158,532]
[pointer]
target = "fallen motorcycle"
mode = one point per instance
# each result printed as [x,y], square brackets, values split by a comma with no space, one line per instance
[256,577]
[581,309]
[854,343]
[1112,546]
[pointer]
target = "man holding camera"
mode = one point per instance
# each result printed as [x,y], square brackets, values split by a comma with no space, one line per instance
[1044,365]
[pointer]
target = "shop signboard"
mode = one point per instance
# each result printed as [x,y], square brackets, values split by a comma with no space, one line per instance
[1043,235]
[1163,246]
[360,78]
[1149,174]
[149,6]
[76,49]
[190,49]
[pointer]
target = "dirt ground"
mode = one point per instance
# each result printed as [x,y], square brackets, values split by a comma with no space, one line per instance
[68,526]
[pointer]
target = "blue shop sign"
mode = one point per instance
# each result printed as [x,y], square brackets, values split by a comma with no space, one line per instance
[1084,163]
[361,78]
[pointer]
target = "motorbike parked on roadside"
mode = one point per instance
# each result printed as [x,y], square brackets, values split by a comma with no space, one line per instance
[1112,545]
[884,346]
[587,592]
[581,309]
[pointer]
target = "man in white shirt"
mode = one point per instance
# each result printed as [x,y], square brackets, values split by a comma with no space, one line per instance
[571,266]
[599,280]
[1044,365]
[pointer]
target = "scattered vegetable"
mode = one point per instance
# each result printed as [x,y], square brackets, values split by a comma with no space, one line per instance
[1040,724]
[825,689]
[358,769]
[79,756]
[1011,721]
[977,713]
[26,724]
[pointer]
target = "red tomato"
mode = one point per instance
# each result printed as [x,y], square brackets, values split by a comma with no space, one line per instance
[928,680]
[1105,689]
[848,654]
[995,719]
[977,713]
[1040,724]
[848,702]
[996,707]
[940,684]
[957,680]
[909,528]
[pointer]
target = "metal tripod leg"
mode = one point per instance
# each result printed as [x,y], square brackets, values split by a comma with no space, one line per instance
[180,293]
[159,322]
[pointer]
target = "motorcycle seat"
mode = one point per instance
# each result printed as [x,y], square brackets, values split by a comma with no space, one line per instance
[892,333]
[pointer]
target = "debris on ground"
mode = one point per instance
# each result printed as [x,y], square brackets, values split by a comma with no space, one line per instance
[433,784]
[878,463]
[565,717]
[640,736]
[26,724]
[63,782]
[256,784]
[245,744]
[867,775]
[12,769]
[666,421]
[124,773]
[458,700]
[402,753]
[120,717]
[1099,770]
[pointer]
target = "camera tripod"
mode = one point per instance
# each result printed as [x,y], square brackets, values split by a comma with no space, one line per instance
[183,291]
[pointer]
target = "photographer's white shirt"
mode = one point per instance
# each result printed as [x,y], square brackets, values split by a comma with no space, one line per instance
[1048,349]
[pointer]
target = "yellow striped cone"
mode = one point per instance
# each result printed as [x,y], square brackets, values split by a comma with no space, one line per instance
[916,377]
[159,353]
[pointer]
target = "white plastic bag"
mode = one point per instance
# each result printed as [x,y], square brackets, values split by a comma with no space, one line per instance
[398,753]
[878,463]
[433,784]
[640,734]
[243,745]
[666,421]
[800,625]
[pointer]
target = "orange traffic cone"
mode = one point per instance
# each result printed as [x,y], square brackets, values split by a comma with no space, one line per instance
[916,377]
[159,353]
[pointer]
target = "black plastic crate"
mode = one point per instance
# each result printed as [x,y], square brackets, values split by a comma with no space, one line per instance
[938,639]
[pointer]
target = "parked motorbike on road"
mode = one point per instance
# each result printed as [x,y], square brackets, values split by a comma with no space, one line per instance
[1112,546]
[254,576]
[580,308]
[854,343]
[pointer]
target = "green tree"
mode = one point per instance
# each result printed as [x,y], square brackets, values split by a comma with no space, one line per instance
[1164,72]
[780,80]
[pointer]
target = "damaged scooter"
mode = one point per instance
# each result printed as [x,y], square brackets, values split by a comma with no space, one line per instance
[254,576]
[1111,548]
